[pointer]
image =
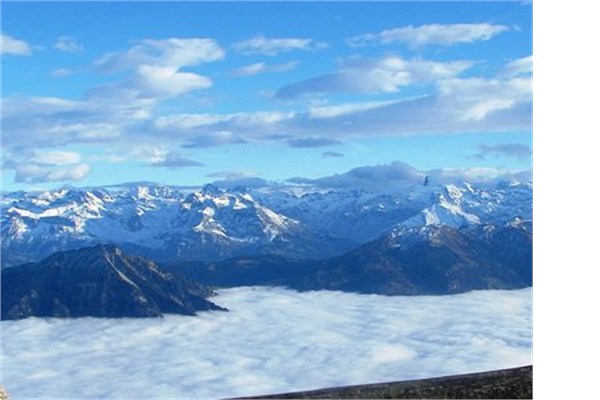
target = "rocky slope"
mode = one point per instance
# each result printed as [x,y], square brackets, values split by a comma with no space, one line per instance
[435,259]
[98,281]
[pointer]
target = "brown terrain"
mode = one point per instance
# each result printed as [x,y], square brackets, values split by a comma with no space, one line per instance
[514,383]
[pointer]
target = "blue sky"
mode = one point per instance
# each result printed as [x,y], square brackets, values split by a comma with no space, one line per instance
[186,93]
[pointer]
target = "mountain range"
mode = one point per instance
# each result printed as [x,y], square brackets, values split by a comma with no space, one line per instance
[145,250]
[211,224]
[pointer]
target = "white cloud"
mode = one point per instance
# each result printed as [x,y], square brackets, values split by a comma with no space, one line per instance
[272,46]
[263,68]
[173,160]
[38,122]
[36,166]
[174,52]
[518,67]
[56,157]
[149,154]
[32,173]
[75,173]
[154,81]
[155,66]
[11,45]
[372,76]
[272,341]
[68,44]
[61,72]
[431,34]
[477,98]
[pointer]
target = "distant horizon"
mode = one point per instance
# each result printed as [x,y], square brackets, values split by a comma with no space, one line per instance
[255,182]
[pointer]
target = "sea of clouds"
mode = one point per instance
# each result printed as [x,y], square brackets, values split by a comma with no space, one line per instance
[273,340]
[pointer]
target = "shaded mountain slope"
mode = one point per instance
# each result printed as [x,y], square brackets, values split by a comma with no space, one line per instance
[99,281]
[406,261]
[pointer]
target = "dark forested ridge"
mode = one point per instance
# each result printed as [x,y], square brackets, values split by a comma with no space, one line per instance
[436,260]
[514,383]
[99,281]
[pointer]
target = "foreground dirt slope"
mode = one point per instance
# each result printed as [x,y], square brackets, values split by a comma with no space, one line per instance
[514,383]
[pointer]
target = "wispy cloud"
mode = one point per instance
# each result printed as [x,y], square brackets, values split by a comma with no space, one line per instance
[272,46]
[331,154]
[397,176]
[68,44]
[14,46]
[62,72]
[155,66]
[232,174]
[175,161]
[369,177]
[263,68]
[313,340]
[459,105]
[311,142]
[387,74]
[431,34]
[511,150]
[518,67]
[173,52]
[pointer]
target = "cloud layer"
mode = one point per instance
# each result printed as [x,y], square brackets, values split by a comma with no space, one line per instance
[273,340]
[148,98]
[398,176]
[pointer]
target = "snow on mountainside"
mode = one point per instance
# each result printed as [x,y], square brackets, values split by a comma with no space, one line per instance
[462,205]
[211,223]
[153,220]
[359,215]
[363,216]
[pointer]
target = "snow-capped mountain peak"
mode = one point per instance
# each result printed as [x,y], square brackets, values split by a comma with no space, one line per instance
[211,223]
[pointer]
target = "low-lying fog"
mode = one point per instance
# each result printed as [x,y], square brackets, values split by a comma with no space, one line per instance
[273,340]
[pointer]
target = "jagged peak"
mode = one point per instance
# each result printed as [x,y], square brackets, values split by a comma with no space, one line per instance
[211,190]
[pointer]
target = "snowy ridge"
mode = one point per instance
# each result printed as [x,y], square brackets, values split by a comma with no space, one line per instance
[211,223]
[461,205]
